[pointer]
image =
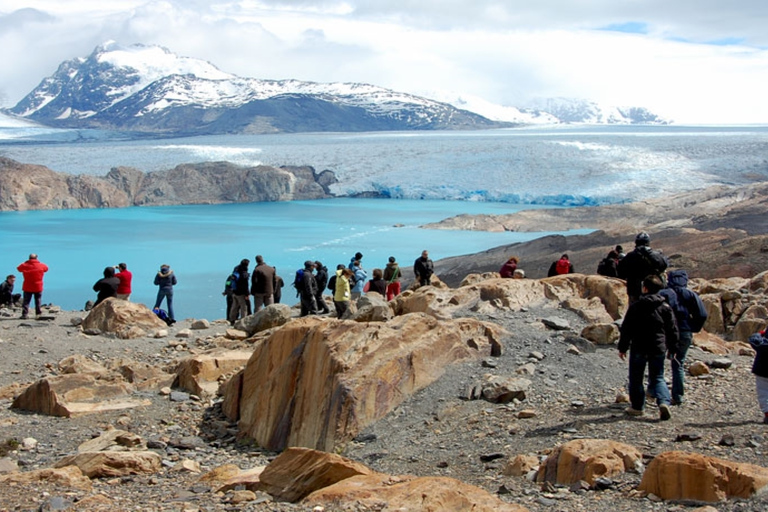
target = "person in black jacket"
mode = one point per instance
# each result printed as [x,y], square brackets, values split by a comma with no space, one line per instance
[321,278]
[106,287]
[308,290]
[649,332]
[240,292]
[7,297]
[760,368]
[638,264]
[423,268]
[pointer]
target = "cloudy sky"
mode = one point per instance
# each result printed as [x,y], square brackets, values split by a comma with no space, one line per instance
[692,61]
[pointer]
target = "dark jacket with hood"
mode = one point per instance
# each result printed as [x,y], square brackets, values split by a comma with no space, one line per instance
[639,264]
[165,279]
[321,277]
[649,327]
[690,312]
[241,283]
[760,343]
[106,287]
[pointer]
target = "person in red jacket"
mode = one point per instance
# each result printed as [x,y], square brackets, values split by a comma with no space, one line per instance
[33,271]
[125,277]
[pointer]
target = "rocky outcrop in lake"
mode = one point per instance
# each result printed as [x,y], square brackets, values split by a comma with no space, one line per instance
[35,187]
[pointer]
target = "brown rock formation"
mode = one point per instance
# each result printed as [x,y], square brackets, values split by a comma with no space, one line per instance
[34,187]
[113,463]
[692,476]
[588,459]
[316,383]
[199,374]
[69,477]
[126,319]
[297,472]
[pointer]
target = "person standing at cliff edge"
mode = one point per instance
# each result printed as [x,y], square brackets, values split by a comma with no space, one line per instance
[33,271]
[165,279]
[423,267]
[638,264]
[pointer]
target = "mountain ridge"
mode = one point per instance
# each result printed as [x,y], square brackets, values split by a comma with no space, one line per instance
[149,89]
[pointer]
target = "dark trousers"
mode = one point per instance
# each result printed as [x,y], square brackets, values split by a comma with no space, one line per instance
[308,305]
[38,296]
[341,307]
[656,385]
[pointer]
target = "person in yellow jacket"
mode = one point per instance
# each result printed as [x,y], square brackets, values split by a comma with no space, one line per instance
[342,293]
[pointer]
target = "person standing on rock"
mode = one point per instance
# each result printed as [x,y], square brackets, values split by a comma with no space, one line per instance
[107,286]
[649,332]
[240,292]
[638,264]
[392,277]
[690,314]
[165,280]
[760,369]
[341,291]
[423,268]
[560,267]
[7,297]
[126,277]
[308,290]
[357,257]
[262,284]
[321,277]
[279,283]
[360,276]
[32,287]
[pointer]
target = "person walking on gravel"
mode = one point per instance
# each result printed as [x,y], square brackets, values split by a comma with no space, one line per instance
[649,332]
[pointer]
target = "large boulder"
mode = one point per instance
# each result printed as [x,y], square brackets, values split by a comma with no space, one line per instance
[694,477]
[426,494]
[587,460]
[271,316]
[113,463]
[601,334]
[76,394]
[317,382]
[124,319]
[200,374]
[67,477]
[297,472]
[715,322]
[372,307]
[751,321]
[611,292]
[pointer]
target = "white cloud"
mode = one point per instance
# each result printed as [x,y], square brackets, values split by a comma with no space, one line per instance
[506,52]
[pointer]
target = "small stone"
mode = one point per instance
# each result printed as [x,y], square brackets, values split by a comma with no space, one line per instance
[558,324]
[489,363]
[687,436]
[572,349]
[491,456]
[76,321]
[442,464]
[537,355]
[242,496]
[698,368]
[162,333]
[200,324]
[727,440]
[184,333]
[179,396]
[579,486]
[28,444]
[577,403]
[165,391]
[622,398]
[236,334]
[721,363]
[526,413]
[526,369]
[602,483]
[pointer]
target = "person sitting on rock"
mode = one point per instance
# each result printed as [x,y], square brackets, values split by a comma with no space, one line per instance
[608,266]
[560,267]
[760,369]
[649,332]
[508,268]
[7,297]
[106,287]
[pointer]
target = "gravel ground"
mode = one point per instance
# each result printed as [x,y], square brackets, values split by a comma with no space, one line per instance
[435,432]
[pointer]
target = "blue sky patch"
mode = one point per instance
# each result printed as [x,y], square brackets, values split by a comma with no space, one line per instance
[630,27]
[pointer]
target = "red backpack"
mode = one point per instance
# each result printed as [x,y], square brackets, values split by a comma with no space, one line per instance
[563,266]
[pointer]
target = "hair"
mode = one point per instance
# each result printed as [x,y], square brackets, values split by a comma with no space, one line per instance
[347,272]
[613,255]
[514,258]
[340,266]
[619,249]
[9,276]
[358,255]
[653,283]
[356,263]
[564,256]
[32,256]
[259,259]
[318,264]
[377,273]
[309,264]
[122,266]
[244,262]
[109,272]
[391,259]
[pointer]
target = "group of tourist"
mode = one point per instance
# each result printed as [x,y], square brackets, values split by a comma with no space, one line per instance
[659,323]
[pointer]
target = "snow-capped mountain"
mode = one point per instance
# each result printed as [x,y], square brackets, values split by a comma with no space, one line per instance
[149,89]
[549,110]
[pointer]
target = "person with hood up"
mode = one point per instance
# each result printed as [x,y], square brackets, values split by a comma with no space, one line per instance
[32,287]
[321,276]
[106,287]
[392,277]
[240,292]
[360,277]
[690,314]
[649,332]
[165,280]
[638,264]
[508,268]
[308,290]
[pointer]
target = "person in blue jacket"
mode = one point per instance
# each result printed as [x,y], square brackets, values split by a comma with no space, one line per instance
[165,280]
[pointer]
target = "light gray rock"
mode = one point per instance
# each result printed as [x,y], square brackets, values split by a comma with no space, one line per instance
[273,315]
[558,324]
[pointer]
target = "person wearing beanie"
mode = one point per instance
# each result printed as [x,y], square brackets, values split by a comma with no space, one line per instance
[638,264]
[392,277]
[165,280]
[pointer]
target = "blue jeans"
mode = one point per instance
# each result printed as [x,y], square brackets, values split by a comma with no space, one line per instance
[656,385]
[678,381]
[168,295]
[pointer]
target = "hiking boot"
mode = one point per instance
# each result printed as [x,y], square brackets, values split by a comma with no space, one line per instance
[677,401]
[664,412]
[633,412]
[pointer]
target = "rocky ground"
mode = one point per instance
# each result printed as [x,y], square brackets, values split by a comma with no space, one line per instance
[436,432]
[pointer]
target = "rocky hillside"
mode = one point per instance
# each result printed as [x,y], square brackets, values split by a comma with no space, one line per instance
[34,187]
[715,232]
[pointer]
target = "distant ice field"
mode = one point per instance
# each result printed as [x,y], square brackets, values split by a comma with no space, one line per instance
[564,166]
